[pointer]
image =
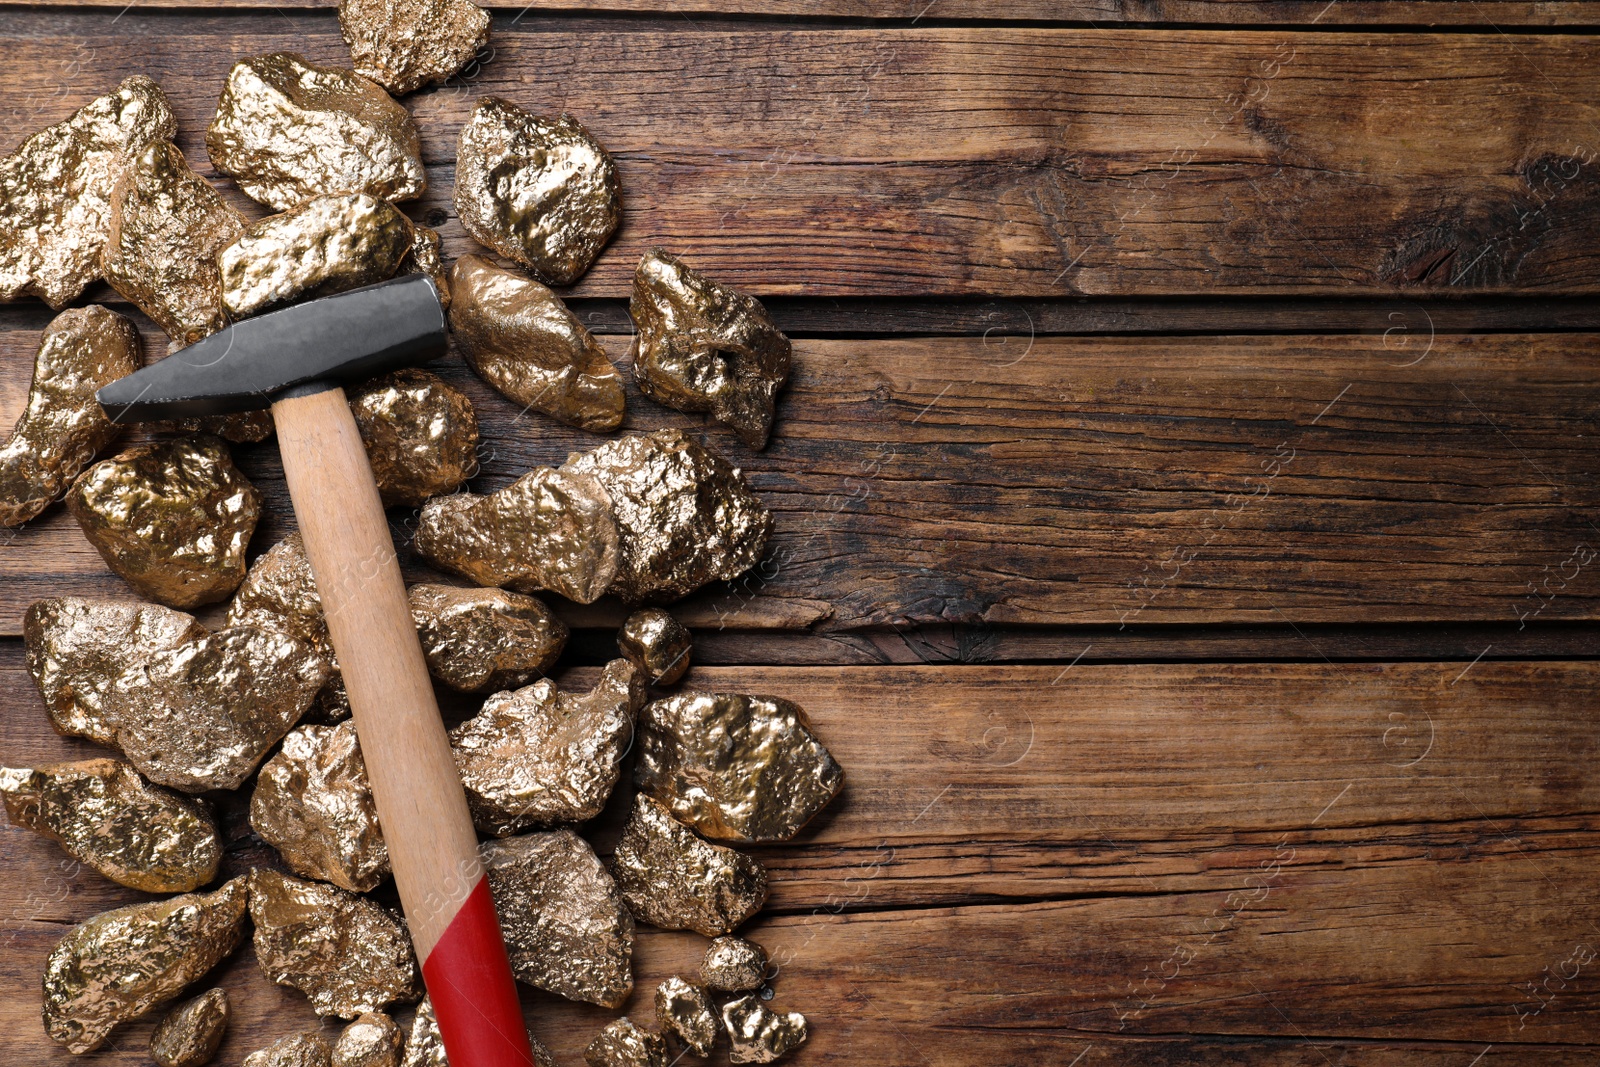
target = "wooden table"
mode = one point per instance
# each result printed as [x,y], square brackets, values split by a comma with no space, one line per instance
[1186,503]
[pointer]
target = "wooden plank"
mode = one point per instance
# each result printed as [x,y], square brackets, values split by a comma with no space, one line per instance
[1020,162]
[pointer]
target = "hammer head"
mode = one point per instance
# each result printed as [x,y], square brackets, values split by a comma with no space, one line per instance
[343,338]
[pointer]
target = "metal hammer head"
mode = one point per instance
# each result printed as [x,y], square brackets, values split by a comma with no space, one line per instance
[341,338]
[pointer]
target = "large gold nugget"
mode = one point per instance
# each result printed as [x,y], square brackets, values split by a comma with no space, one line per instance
[324,245]
[546,530]
[313,803]
[190,1034]
[420,433]
[760,1035]
[622,1044]
[543,194]
[55,190]
[280,593]
[684,515]
[346,953]
[485,640]
[405,44]
[686,1010]
[103,814]
[536,757]
[657,644]
[373,1040]
[735,767]
[122,963]
[309,1049]
[172,518]
[522,340]
[63,425]
[704,347]
[565,925]
[286,131]
[672,879]
[425,1045]
[167,226]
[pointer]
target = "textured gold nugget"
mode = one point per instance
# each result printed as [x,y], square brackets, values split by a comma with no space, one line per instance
[522,340]
[425,1045]
[190,1034]
[705,347]
[322,246]
[122,963]
[485,640]
[167,226]
[734,965]
[735,767]
[622,1044]
[421,434]
[685,1009]
[104,815]
[63,425]
[313,803]
[543,194]
[346,953]
[55,190]
[536,757]
[280,593]
[309,1049]
[657,644]
[172,518]
[428,258]
[672,879]
[373,1040]
[565,926]
[286,130]
[759,1034]
[405,44]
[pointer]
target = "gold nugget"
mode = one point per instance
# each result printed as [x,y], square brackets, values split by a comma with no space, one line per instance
[522,340]
[622,1044]
[406,44]
[190,1034]
[104,815]
[541,193]
[425,1046]
[657,644]
[485,640]
[373,1040]
[55,190]
[324,245]
[672,879]
[686,1010]
[427,258]
[280,593]
[313,803]
[287,130]
[122,963]
[759,1034]
[309,1049]
[734,965]
[63,425]
[421,434]
[565,926]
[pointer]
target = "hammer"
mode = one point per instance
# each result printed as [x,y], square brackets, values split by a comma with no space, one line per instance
[296,361]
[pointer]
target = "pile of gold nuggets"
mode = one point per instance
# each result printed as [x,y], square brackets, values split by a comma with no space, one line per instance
[258,702]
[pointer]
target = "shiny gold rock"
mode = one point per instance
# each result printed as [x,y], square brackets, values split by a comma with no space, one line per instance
[313,803]
[373,1040]
[428,258]
[55,190]
[280,593]
[241,427]
[672,879]
[172,518]
[286,131]
[543,194]
[735,767]
[686,1010]
[759,1034]
[346,953]
[104,815]
[406,44]
[121,963]
[190,1034]
[564,922]
[167,226]
[309,1049]
[522,340]
[485,640]
[323,245]
[547,530]
[657,644]
[536,757]
[704,347]
[734,965]
[421,434]
[622,1044]
[63,425]
[425,1046]
[684,516]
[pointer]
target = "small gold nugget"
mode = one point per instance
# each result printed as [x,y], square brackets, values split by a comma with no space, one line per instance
[121,963]
[420,433]
[321,246]
[734,965]
[425,1046]
[522,340]
[735,767]
[373,1040]
[190,1034]
[63,425]
[704,347]
[172,518]
[565,925]
[622,1044]
[280,593]
[536,757]
[309,1049]
[485,640]
[313,803]
[427,258]
[405,44]
[55,190]
[287,130]
[543,194]
[759,1034]
[657,644]
[346,953]
[672,879]
[685,1009]
[103,814]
